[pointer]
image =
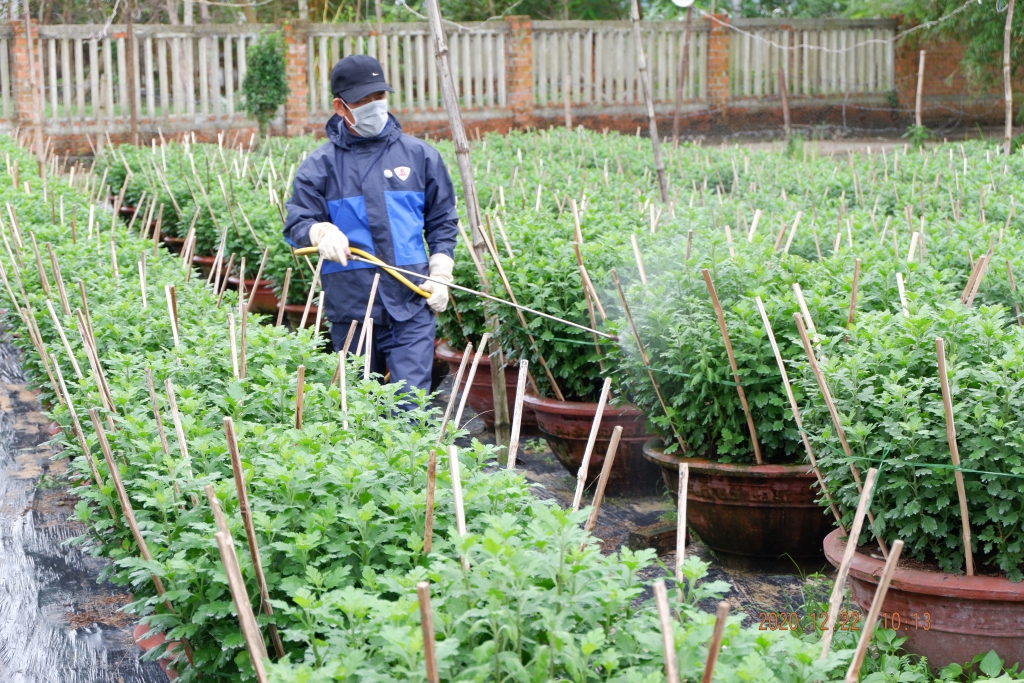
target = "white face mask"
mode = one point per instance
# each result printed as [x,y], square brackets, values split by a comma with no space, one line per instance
[370,118]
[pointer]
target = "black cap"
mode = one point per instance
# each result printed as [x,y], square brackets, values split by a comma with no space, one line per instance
[357,76]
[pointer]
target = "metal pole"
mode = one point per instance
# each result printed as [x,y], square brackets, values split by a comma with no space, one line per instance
[641,60]
[451,105]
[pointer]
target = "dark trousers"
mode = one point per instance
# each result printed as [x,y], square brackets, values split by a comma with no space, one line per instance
[406,348]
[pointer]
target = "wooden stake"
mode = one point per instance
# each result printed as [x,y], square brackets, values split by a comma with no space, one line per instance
[179,430]
[581,473]
[156,412]
[517,414]
[43,281]
[682,493]
[834,414]
[668,640]
[221,285]
[602,482]
[300,389]
[639,261]
[250,530]
[954,452]
[369,314]
[853,673]
[753,225]
[836,599]
[170,313]
[284,297]
[903,294]
[796,411]
[246,619]
[920,90]
[715,646]
[1013,288]
[79,434]
[470,377]
[427,626]
[460,512]
[312,291]
[853,293]
[455,391]
[984,261]
[646,360]
[792,231]
[367,357]
[732,363]
[428,522]
[233,344]
[64,339]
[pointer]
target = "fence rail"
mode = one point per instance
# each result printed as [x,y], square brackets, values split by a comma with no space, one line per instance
[190,76]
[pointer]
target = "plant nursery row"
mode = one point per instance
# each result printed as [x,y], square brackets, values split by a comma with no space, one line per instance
[773,328]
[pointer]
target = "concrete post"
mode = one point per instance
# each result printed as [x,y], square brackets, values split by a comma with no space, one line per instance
[296,109]
[718,69]
[519,74]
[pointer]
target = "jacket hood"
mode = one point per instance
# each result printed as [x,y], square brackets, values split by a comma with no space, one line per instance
[339,134]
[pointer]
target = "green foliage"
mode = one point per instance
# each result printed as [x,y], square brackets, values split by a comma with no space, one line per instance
[917,135]
[265,86]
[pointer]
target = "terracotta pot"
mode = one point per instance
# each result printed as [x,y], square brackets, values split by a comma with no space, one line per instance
[154,642]
[173,244]
[566,426]
[205,263]
[261,299]
[753,516]
[53,429]
[480,398]
[966,615]
[294,314]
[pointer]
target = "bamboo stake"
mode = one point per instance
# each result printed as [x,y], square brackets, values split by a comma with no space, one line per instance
[470,377]
[428,521]
[903,294]
[233,344]
[63,339]
[300,391]
[913,246]
[984,260]
[792,231]
[715,646]
[954,452]
[732,364]
[43,281]
[369,314]
[836,599]
[834,414]
[646,360]
[122,496]
[796,411]
[170,313]
[312,291]
[338,371]
[368,356]
[246,619]
[639,261]
[517,414]
[1013,288]
[179,430]
[94,363]
[753,225]
[602,482]
[319,315]
[455,391]
[853,673]
[250,531]
[76,426]
[853,293]
[427,626]
[221,284]
[683,494]
[243,317]
[581,473]
[156,412]
[975,269]
[668,640]
[460,512]
[284,297]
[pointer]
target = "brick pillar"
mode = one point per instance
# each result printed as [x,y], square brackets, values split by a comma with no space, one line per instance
[296,109]
[21,75]
[519,70]
[718,69]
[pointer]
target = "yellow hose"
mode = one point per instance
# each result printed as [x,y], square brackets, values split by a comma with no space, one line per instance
[308,251]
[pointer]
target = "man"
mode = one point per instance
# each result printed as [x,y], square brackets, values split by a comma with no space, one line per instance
[372,187]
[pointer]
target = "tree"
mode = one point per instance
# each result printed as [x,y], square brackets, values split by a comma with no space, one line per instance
[265,87]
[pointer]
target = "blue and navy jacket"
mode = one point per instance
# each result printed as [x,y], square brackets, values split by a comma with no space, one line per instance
[387,194]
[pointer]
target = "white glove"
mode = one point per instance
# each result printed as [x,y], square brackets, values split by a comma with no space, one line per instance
[330,242]
[441,266]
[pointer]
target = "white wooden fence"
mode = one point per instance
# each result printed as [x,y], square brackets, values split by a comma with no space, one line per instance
[595,62]
[818,57]
[477,62]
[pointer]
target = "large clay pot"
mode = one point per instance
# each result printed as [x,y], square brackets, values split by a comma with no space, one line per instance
[205,264]
[173,244]
[948,618]
[294,313]
[762,517]
[566,426]
[480,398]
[154,642]
[261,298]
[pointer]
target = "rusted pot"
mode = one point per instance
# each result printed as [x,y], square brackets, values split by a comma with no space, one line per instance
[480,398]
[566,426]
[948,618]
[205,264]
[173,244]
[261,298]
[753,516]
[154,642]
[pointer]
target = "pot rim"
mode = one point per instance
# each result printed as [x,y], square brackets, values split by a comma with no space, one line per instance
[925,582]
[653,452]
[585,408]
[264,284]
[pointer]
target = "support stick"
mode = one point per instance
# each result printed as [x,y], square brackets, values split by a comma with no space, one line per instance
[732,363]
[233,343]
[668,640]
[460,512]
[954,452]
[427,626]
[684,487]
[1013,288]
[369,349]
[156,412]
[853,293]
[581,473]
[903,294]
[369,314]
[715,646]
[300,389]
[309,297]
[792,231]
[602,482]
[284,297]
[517,414]
[55,266]
[853,673]
[455,392]
[836,599]
[250,530]
[170,313]
[639,260]
[63,339]
[470,377]
[920,91]
[428,521]
[246,619]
